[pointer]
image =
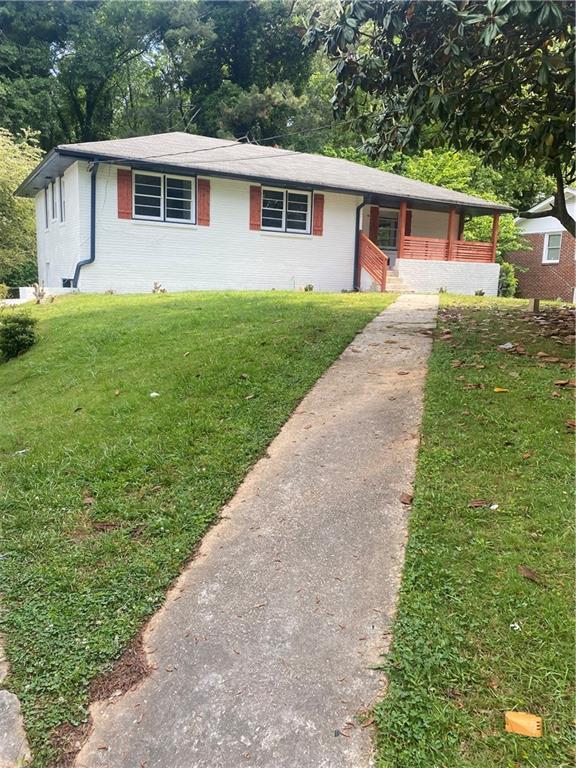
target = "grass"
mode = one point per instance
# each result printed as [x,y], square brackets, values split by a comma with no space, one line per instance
[474,637]
[105,490]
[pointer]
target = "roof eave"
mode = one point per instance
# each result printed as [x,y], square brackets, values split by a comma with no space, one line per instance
[472,208]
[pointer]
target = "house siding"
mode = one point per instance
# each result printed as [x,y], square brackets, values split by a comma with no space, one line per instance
[132,254]
[62,244]
[545,281]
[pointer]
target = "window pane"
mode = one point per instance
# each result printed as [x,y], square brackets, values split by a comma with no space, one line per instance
[147,210]
[297,213]
[155,182]
[272,208]
[554,241]
[147,195]
[180,189]
[178,209]
[387,232]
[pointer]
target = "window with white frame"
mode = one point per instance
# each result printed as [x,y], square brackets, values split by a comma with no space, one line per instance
[46,221]
[552,245]
[162,197]
[179,199]
[62,196]
[286,210]
[53,198]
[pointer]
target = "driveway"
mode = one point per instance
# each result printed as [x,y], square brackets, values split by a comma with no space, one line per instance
[264,652]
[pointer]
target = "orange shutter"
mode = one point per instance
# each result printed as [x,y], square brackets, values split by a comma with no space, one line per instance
[124,193]
[204,202]
[318,215]
[255,207]
[374,222]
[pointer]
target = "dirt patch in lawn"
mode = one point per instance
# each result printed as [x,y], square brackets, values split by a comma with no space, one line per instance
[130,669]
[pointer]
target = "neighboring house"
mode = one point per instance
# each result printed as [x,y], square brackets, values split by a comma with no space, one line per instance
[198,213]
[546,267]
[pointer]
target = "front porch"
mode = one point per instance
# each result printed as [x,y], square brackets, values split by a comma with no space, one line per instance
[407,243]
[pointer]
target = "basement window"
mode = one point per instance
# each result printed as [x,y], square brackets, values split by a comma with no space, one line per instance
[552,245]
[285,210]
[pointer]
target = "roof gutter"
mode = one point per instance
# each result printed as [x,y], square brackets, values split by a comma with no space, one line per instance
[92,256]
[356,279]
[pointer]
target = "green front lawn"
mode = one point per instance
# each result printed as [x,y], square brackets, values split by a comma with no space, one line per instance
[104,489]
[475,635]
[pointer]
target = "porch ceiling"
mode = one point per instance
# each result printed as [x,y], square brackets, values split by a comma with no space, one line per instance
[392,201]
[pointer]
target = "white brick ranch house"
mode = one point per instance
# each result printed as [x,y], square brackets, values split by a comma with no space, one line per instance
[198,213]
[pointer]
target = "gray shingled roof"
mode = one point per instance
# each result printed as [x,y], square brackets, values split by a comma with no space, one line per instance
[219,157]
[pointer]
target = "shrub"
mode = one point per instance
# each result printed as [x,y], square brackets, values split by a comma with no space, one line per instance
[507,282]
[3,291]
[17,333]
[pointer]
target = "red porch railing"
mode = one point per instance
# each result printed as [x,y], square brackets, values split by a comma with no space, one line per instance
[439,249]
[373,260]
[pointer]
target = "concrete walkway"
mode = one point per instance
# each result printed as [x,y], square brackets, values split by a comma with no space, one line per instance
[262,653]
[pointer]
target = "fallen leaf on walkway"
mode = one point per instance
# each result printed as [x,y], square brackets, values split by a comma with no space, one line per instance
[406,498]
[403,373]
[475,503]
[501,389]
[529,574]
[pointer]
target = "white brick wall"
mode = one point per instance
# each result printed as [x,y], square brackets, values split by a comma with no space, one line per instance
[131,255]
[454,276]
[62,244]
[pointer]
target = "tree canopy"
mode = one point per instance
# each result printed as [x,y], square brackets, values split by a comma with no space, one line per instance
[18,156]
[492,76]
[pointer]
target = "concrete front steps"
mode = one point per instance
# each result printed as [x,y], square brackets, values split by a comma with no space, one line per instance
[395,284]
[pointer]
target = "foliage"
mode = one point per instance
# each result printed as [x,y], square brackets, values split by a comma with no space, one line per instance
[3,291]
[495,77]
[507,280]
[98,519]
[457,662]
[18,156]
[17,333]
[160,66]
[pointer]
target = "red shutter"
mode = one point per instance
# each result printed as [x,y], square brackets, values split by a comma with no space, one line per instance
[204,202]
[318,215]
[374,222]
[408,223]
[255,207]
[124,193]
